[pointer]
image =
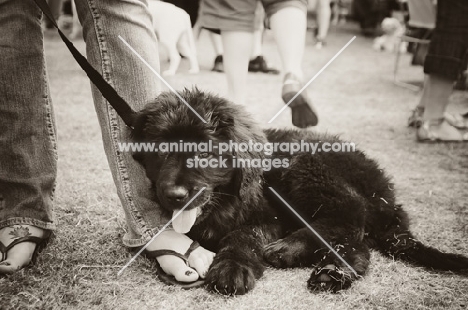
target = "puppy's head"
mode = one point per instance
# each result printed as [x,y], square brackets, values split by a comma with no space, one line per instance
[178,174]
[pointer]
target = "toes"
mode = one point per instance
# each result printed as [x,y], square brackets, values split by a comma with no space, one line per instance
[186,274]
[201,259]
[200,266]
[176,267]
[329,278]
[8,267]
[231,278]
[281,254]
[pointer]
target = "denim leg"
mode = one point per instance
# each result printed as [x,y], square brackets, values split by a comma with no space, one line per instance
[28,159]
[103,21]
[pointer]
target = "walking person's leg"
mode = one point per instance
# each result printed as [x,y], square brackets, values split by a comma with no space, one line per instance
[288,20]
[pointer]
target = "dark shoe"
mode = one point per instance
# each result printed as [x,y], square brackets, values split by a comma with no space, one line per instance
[303,114]
[258,64]
[416,118]
[218,64]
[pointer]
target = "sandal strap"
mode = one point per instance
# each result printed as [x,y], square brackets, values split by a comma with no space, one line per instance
[37,240]
[184,257]
[192,247]
[158,253]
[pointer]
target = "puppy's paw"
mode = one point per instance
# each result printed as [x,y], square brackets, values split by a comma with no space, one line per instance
[229,277]
[194,70]
[329,278]
[284,254]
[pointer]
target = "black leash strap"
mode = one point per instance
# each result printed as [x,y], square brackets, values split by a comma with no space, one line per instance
[122,108]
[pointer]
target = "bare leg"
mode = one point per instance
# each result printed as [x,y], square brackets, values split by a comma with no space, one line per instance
[323,18]
[257,43]
[435,99]
[289,28]
[237,50]
[217,43]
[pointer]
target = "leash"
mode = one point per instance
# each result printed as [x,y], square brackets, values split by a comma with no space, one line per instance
[122,108]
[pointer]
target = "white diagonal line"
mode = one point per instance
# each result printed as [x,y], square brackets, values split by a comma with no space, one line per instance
[162,229]
[160,77]
[314,232]
[311,80]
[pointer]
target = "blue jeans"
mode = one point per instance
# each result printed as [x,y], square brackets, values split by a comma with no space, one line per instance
[28,151]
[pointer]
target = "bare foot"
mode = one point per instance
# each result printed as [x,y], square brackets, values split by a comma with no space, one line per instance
[21,254]
[199,260]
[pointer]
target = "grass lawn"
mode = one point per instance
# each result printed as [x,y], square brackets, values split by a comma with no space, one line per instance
[355,98]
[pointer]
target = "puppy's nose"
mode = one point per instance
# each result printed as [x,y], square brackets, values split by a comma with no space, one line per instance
[176,193]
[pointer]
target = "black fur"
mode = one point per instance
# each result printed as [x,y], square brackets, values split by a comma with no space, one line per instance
[346,198]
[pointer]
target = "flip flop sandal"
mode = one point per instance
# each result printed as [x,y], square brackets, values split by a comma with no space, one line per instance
[426,135]
[41,243]
[168,279]
[459,121]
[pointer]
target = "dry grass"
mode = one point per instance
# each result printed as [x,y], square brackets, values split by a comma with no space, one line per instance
[355,98]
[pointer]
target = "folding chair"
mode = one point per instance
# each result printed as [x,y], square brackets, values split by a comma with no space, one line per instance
[422,14]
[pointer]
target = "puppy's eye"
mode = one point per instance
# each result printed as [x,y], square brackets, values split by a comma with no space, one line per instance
[205,155]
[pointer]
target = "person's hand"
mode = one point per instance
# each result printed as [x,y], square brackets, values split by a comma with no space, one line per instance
[199,260]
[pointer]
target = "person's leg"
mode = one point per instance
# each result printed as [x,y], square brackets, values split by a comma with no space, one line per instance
[217,43]
[289,27]
[235,20]
[257,40]
[435,96]
[288,20]
[435,99]
[442,66]
[103,21]
[237,49]
[28,160]
[323,20]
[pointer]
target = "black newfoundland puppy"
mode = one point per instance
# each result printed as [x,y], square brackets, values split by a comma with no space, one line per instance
[345,197]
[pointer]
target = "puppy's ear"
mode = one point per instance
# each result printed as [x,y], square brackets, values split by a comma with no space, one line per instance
[248,180]
[138,133]
[219,121]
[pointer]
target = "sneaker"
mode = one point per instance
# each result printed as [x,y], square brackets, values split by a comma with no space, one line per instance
[303,113]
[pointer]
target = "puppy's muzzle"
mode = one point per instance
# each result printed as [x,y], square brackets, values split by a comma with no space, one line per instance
[176,195]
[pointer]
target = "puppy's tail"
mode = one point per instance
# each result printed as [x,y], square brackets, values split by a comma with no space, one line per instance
[401,244]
